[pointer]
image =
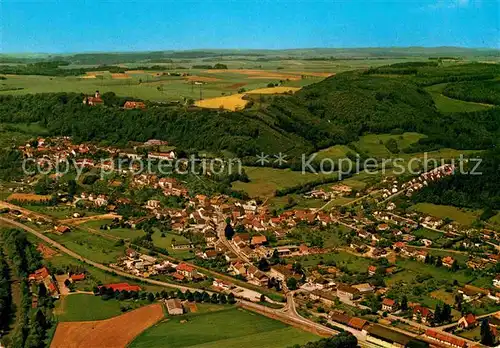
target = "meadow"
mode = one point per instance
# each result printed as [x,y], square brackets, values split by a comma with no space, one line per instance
[166,243]
[85,307]
[374,144]
[91,246]
[340,258]
[265,181]
[129,234]
[446,104]
[226,328]
[59,211]
[413,268]
[461,215]
[122,233]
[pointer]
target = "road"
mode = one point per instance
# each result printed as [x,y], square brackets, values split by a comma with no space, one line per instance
[222,237]
[27,212]
[71,253]
[278,314]
[78,221]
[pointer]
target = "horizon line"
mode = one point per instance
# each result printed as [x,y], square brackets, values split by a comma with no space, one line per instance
[479,48]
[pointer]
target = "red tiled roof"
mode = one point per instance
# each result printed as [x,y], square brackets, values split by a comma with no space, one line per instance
[448,260]
[424,311]
[76,277]
[357,323]
[41,273]
[185,267]
[470,318]
[134,105]
[62,229]
[95,100]
[446,338]
[52,287]
[388,302]
[258,240]
[178,276]
[122,287]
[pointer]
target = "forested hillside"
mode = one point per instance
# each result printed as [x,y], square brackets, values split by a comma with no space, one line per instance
[475,91]
[64,114]
[466,190]
[334,111]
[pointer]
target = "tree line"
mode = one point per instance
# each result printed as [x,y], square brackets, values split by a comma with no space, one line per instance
[33,323]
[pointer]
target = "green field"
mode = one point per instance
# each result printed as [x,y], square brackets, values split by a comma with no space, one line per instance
[123,233]
[85,307]
[373,144]
[412,268]
[473,335]
[495,220]
[447,105]
[427,234]
[461,215]
[234,327]
[265,181]
[341,258]
[334,152]
[59,212]
[147,85]
[166,243]
[91,246]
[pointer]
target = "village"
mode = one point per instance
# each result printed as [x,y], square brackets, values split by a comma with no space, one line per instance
[343,267]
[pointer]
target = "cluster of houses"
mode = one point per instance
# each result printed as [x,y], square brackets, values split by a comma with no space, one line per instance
[43,276]
[146,266]
[61,148]
[336,191]
[416,184]
[53,150]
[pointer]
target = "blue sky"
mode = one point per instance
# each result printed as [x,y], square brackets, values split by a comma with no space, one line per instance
[75,26]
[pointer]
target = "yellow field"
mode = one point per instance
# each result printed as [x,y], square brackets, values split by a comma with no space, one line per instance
[28,197]
[257,74]
[120,76]
[274,90]
[230,102]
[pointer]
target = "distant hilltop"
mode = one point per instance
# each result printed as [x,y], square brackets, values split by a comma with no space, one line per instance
[299,53]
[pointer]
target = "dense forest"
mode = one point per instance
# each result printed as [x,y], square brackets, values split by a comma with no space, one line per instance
[5,294]
[430,73]
[475,91]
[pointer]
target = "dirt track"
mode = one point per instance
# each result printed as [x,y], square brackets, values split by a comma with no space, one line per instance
[110,333]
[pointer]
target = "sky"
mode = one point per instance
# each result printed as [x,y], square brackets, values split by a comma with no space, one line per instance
[69,26]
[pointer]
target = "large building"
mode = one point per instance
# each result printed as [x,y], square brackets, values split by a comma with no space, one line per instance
[174,306]
[95,100]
